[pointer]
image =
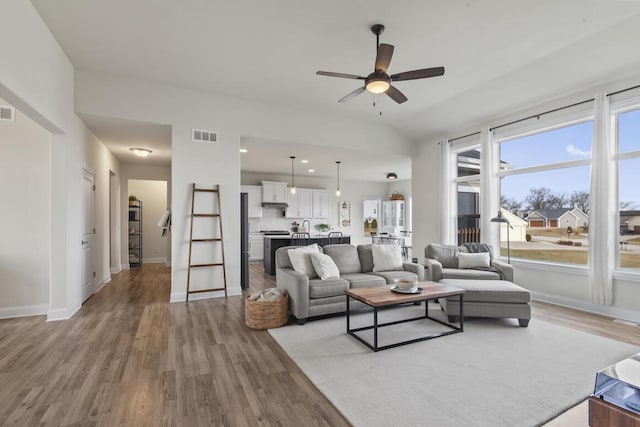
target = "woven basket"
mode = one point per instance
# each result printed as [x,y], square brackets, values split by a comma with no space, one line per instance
[266,314]
[396,196]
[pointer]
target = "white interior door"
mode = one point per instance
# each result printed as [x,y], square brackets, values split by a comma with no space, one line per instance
[88,232]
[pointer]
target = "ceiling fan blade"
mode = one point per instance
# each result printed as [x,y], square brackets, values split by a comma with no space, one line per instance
[383,57]
[418,74]
[396,95]
[342,75]
[352,94]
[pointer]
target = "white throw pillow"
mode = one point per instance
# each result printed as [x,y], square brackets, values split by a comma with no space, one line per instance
[386,257]
[479,260]
[301,259]
[324,266]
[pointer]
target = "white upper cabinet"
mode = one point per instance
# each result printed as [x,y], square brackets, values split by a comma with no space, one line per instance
[320,203]
[274,192]
[255,199]
[300,204]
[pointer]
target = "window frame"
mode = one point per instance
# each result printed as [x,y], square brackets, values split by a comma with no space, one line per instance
[615,110]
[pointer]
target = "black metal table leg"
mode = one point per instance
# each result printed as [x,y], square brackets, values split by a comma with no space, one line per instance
[375,328]
[461,312]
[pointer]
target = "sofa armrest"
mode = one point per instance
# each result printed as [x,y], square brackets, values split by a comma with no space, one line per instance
[297,286]
[415,268]
[504,268]
[433,270]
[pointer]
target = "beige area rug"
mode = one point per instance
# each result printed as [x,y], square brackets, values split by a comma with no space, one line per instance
[493,374]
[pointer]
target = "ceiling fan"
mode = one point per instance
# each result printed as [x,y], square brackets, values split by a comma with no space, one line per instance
[379,81]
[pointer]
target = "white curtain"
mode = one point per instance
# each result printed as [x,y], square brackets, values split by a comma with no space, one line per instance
[446,178]
[602,206]
[489,197]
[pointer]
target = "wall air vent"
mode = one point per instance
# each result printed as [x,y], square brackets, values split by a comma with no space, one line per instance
[200,135]
[7,113]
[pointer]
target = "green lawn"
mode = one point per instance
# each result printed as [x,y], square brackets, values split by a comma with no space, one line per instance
[628,260]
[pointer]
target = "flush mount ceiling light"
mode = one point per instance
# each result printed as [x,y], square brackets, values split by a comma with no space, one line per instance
[392,176]
[312,170]
[244,150]
[338,185]
[293,182]
[304,161]
[140,152]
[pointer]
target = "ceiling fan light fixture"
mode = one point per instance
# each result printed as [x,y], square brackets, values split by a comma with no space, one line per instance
[140,152]
[392,176]
[378,84]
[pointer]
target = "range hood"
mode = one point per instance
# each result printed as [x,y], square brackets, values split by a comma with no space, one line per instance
[275,205]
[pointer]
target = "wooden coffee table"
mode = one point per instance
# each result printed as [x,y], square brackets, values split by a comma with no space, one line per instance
[381,296]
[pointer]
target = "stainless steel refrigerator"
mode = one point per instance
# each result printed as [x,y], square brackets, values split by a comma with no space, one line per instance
[244,240]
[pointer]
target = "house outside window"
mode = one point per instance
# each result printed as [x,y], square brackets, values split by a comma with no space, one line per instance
[627,125]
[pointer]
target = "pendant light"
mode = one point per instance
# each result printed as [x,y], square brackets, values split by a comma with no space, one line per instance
[338,186]
[293,182]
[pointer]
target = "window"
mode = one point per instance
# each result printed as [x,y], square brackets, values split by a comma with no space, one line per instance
[628,139]
[468,195]
[544,193]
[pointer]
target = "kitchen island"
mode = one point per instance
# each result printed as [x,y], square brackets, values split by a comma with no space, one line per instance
[272,243]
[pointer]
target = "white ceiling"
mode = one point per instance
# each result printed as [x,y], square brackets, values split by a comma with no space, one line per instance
[498,54]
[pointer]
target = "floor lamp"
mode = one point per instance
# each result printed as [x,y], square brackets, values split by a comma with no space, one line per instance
[502,220]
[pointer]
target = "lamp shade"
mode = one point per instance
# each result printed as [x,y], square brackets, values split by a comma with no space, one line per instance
[500,218]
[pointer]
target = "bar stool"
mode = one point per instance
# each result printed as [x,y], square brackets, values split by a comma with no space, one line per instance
[335,237]
[300,239]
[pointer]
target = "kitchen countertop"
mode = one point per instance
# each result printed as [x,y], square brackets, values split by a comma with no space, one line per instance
[312,236]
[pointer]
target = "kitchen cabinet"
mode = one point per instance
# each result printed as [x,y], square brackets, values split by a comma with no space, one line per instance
[274,192]
[256,247]
[393,216]
[320,202]
[300,204]
[255,200]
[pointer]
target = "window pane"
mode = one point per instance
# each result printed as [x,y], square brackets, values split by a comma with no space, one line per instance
[468,162]
[629,131]
[629,199]
[558,145]
[549,215]
[469,212]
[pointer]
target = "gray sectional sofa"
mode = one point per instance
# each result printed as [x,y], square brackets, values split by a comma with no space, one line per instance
[310,297]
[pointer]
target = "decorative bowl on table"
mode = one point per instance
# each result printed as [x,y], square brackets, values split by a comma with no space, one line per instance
[406,284]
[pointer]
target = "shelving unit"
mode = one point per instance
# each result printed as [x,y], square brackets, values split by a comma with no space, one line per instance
[135,234]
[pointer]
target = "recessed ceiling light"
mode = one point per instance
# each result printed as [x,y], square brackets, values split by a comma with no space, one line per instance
[304,161]
[140,152]
[312,170]
[243,150]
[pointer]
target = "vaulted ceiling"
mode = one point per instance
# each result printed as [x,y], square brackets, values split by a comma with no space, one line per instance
[498,54]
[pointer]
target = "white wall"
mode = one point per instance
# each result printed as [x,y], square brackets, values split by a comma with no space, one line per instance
[153,195]
[37,78]
[24,218]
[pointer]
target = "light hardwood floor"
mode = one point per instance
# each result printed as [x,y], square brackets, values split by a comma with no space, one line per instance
[128,357]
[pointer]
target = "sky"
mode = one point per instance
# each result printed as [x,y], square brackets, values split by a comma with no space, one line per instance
[565,144]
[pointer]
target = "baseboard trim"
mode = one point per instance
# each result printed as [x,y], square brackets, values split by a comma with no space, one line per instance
[115,270]
[56,314]
[23,311]
[153,260]
[182,296]
[605,310]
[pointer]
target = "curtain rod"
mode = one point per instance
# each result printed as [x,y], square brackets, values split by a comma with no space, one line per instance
[623,90]
[464,136]
[542,114]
